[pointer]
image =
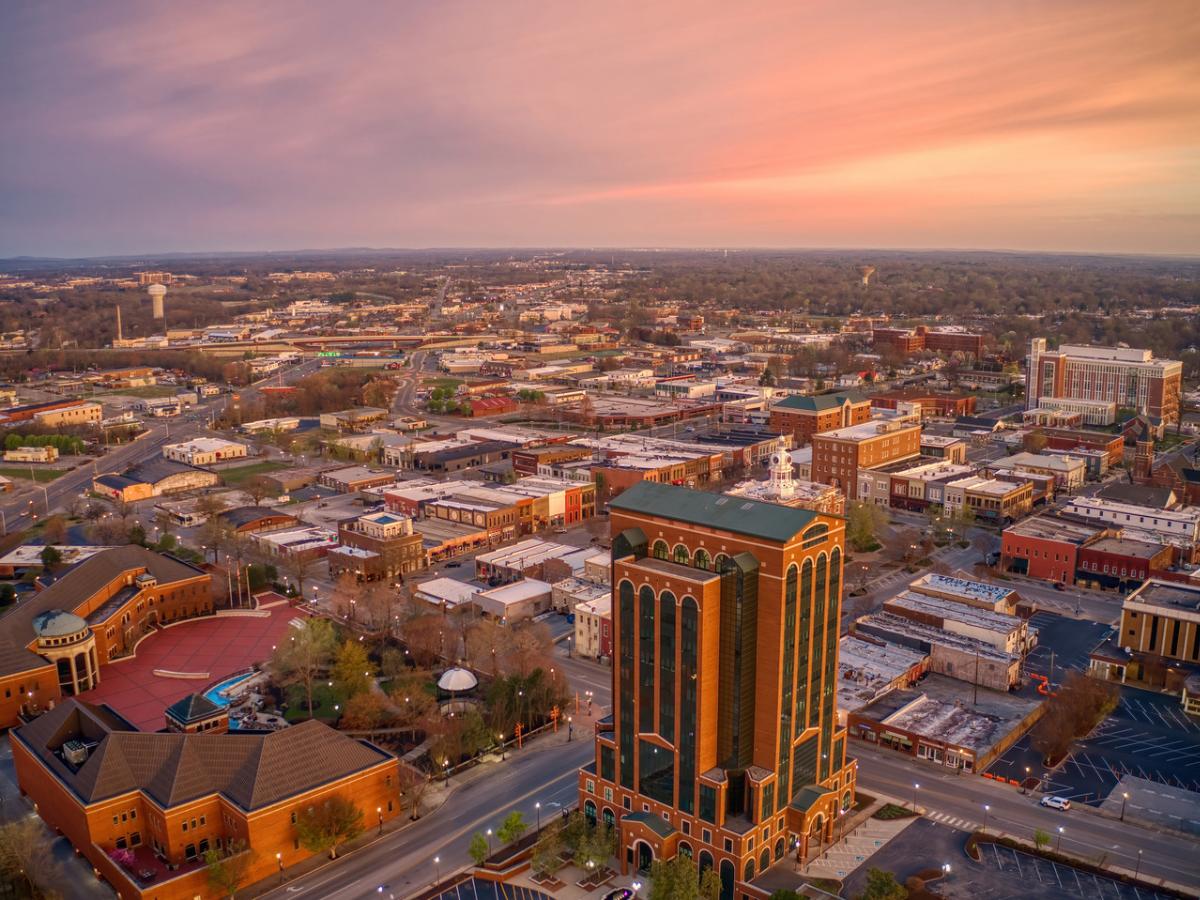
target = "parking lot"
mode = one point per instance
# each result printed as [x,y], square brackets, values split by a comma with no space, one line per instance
[1064,641]
[1025,875]
[1147,736]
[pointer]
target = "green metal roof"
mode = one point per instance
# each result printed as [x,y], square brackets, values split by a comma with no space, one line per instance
[721,511]
[658,825]
[820,402]
[807,796]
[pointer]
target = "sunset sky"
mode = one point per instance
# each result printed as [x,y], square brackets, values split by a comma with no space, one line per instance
[256,125]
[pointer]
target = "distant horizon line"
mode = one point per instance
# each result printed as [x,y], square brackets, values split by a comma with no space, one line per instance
[570,248]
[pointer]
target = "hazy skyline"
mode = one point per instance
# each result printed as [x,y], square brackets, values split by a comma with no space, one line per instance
[134,128]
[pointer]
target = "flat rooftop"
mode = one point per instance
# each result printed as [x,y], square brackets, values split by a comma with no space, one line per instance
[1167,595]
[867,670]
[525,553]
[922,604]
[942,710]
[867,430]
[1050,528]
[895,628]
[962,587]
[1126,547]
[675,570]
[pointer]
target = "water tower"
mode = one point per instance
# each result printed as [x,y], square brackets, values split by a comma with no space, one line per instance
[866,272]
[157,292]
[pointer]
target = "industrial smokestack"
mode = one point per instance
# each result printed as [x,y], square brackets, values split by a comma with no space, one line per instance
[118,321]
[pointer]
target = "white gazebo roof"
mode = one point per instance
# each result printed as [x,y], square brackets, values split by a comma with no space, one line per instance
[457,680]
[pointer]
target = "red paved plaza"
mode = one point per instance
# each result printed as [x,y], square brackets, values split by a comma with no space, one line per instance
[219,646]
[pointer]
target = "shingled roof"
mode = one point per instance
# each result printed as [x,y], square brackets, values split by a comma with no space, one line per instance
[819,402]
[250,770]
[74,587]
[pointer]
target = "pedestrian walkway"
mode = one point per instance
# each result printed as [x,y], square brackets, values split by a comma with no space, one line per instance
[841,858]
[954,821]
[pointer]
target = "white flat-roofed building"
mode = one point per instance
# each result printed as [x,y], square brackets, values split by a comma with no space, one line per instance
[593,626]
[445,593]
[522,599]
[981,594]
[1169,524]
[204,451]
[1069,472]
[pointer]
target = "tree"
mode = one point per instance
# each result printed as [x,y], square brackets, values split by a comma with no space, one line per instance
[599,844]
[710,885]
[512,828]
[882,885]
[862,522]
[478,848]
[1040,839]
[674,879]
[26,857]
[298,565]
[352,668]
[392,664]
[137,534]
[424,635]
[1034,442]
[364,712]
[413,784]
[1071,713]
[51,557]
[414,702]
[258,489]
[767,379]
[546,852]
[54,531]
[328,824]
[228,868]
[304,656]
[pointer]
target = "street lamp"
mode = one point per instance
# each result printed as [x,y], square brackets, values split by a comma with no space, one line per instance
[1058,844]
[538,807]
[637,886]
[1124,799]
[1138,868]
[570,727]
[916,787]
[945,868]
[379,812]
[437,862]
[489,840]
[279,862]
[500,739]
[986,810]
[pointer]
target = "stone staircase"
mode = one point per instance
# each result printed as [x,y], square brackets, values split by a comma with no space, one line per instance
[840,859]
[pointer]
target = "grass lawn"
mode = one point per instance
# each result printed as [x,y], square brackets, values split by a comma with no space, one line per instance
[451,383]
[40,475]
[324,699]
[149,391]
[238,474]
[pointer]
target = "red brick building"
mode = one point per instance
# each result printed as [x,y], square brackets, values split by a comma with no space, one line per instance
[1114,562]
[805,416]
[932,403]
[57,643]
[1112,445]
[908,341]
[143,808]
[1047,547]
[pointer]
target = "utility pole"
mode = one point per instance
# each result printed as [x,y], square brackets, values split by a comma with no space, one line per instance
[975,692]
[1050,680]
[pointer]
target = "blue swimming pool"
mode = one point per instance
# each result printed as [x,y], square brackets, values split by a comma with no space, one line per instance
[219,693]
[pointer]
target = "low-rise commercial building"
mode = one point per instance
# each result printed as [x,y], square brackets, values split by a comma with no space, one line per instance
[513,602]
[839,455]
[153,478]
[306,543]
[927,403]
[350,479]
[54,413]
[979,594]
[1047,547]
[46,454]
[204,451]
[1069,472]
[1168,524]
[256,519]
[356,419]
[993,500]
[593,624]
[1010,634]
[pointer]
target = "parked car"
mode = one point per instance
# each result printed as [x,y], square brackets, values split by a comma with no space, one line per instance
[1056,802]
[1059,586]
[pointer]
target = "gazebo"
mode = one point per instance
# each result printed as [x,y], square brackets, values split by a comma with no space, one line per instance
[453,687]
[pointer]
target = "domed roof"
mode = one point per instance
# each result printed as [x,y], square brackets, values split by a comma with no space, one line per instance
[57,623]
[457,680]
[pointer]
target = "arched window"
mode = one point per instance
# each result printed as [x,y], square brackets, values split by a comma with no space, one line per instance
[764,861]
[660,550]
[722,563]
[681,554]
[846,799]
[666,665]
[727,876]
[748,872]
[701,560]
[609,817]
[646,658]
[706,861]
[689,628]
[685,849]
[589,812]
[779,848]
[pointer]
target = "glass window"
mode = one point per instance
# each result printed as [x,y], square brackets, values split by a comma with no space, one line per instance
[660,549]
[626,726]
[701,560]
[656,772]
[646,659]
[666,666]
[708,804]
[681,554]
[688,639]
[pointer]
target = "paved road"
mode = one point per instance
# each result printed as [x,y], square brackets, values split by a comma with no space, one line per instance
[959,800]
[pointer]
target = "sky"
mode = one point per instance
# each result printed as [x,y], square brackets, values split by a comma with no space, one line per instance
[164,127]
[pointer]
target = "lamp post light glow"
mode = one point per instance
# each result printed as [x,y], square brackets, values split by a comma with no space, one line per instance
[279,862]
[916,787]
[1058,844]
[1124,800]
[986,809]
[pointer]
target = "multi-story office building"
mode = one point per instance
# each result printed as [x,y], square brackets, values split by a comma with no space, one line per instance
[907,341]
[724,744]
[838,455]
[1130,378]
[805,416]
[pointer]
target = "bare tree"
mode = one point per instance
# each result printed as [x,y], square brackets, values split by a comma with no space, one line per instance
[258,489]
[304,656]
